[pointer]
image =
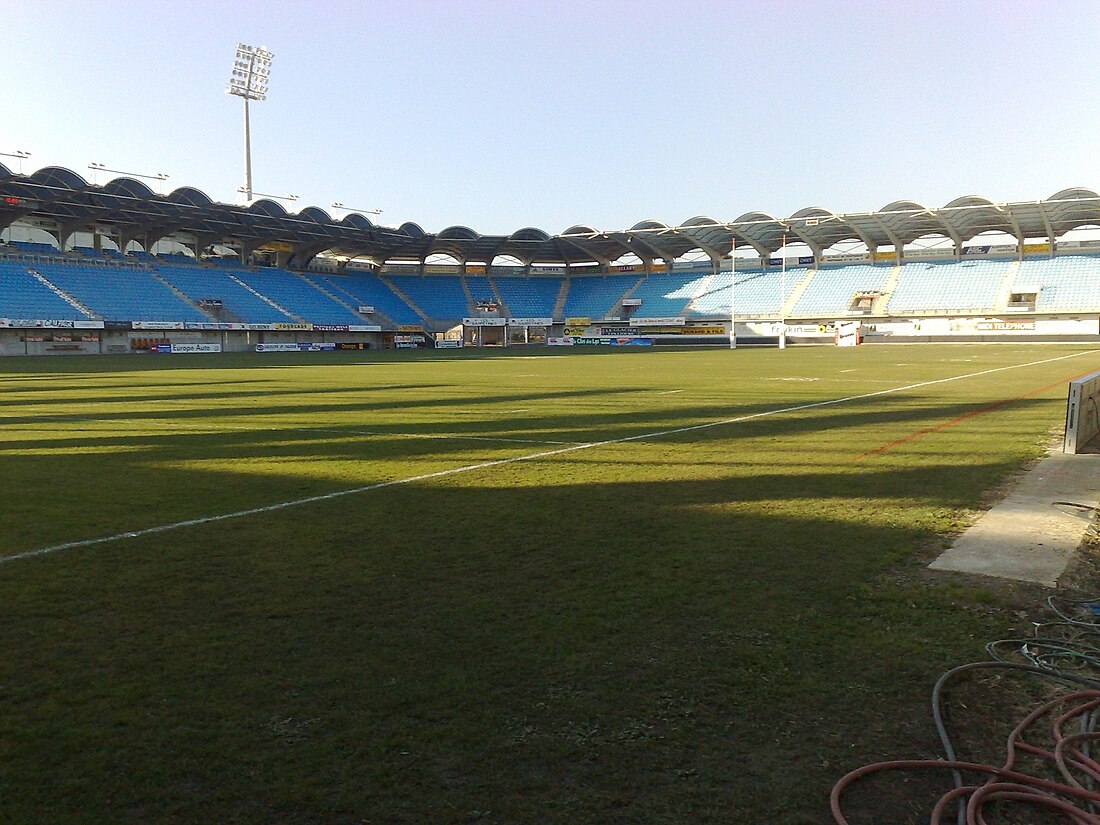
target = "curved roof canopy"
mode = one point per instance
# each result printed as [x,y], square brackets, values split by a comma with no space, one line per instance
[136,212]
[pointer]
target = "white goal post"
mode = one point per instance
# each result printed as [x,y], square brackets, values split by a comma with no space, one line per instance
[1082,412]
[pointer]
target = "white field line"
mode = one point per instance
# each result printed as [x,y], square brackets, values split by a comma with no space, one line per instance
[669,392]
[218,428]
[467,468]
[437,437]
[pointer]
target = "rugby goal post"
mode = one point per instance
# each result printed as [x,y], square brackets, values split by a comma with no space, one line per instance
[1082,412]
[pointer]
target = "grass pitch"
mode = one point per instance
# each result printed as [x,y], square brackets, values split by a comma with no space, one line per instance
[699,626]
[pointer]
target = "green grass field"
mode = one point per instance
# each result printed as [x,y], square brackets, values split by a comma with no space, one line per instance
[703,626]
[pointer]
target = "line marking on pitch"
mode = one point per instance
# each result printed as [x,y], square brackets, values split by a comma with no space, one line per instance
[214,429]
[438,437]
[958,419]
[467,468]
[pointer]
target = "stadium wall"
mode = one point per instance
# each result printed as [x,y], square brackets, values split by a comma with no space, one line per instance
[50,341]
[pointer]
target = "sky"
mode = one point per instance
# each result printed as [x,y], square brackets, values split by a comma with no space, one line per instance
[501,115]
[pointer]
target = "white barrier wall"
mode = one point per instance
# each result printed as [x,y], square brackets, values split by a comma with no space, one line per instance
[991,326]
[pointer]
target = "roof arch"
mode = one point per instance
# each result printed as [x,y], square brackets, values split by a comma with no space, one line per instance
[59,176]
[457,233]
[972,215]
[1075,192]
[315,214]
[903,206]
[413,230]
[267,207]
[4,171]
[701,220]
[357,220]
[822,228]
[649,224]
[969,200]
[529,233]
[128,186]
[705,233]
[815,212]
[190,196]
[903,221]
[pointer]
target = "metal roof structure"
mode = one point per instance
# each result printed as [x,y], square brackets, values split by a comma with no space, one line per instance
[136,213]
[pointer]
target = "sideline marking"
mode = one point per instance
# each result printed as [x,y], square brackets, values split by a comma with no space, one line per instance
[586,445]
[437,437]
[216,429]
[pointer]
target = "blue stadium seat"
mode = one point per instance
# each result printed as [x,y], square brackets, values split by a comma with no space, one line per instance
[30,247]
[666,293]
[440,296]
[119,293]
[298,296]
[593,297]
[202,283]
[481,289]
[24,296]
[948,286]
[1068,282]
[365,288]
[532,297]
[832,288]
[757,293]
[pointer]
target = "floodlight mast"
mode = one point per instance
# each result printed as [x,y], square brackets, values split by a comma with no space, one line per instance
[733,303]
[248,80]
[783,295]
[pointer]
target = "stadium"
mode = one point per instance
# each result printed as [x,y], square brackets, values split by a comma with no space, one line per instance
[313,518]
[119,262]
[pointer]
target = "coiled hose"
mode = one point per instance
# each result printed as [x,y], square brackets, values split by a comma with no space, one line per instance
[1066,651]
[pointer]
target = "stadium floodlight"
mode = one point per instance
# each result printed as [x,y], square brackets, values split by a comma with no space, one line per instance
[248,80]
[375,212]
[19,155]
[99,167]
[242,190]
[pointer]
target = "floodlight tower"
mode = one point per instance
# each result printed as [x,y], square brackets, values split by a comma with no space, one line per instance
[248,81]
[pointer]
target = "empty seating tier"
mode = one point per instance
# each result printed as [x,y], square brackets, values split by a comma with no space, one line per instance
[594,297]
[757,293]
[119,293]
[529,297]
[202,284]
[967,286]
[481,289]
[668,293]
[439,296]
[831,289]
[24,296]
[1069,283]
[366,289]
[298,296]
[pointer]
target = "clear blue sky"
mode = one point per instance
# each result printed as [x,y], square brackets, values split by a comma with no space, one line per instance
[499,115]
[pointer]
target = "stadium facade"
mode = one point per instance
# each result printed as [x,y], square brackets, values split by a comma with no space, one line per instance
[119,268]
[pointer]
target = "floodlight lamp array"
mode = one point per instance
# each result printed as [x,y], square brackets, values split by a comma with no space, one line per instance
[251,72]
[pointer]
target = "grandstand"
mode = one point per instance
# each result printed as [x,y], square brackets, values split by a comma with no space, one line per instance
[301,281]
[529,297]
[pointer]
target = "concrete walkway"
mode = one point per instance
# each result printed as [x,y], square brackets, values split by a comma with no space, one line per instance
[1026,537]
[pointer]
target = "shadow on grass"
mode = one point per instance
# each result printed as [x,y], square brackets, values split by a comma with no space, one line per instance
[250,409]
[597,652]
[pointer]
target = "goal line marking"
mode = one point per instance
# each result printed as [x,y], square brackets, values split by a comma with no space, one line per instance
[467,468]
